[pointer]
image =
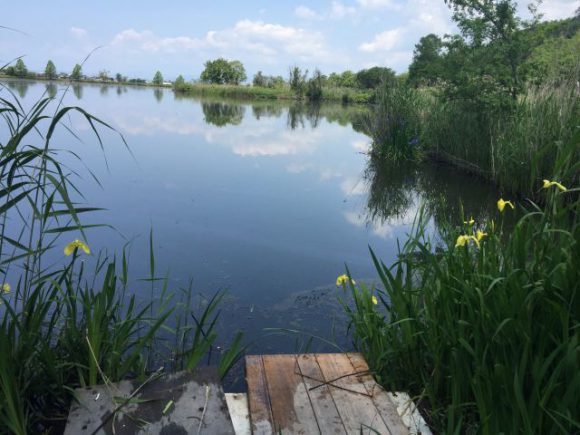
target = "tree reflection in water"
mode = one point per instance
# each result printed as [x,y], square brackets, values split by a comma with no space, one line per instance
[397,190]
[221,114]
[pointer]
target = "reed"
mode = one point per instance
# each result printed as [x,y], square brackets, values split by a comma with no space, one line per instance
[62,325]
[514,145]
[482,328]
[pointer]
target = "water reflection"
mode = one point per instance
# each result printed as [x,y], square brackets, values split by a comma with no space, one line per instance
[396,190]
[267,110]
[51,90]
[158,93]
[20,86]
[78,91]
[220,114]
[104,90]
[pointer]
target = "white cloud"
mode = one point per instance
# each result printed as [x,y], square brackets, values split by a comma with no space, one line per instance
[360,145]
[383,230]
[378,4]
[558,9]
[305,13]
[353,186]
[384,41]
[255,37]
[338,10]
[78,32]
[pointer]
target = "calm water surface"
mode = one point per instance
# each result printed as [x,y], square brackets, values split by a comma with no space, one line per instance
[266,200]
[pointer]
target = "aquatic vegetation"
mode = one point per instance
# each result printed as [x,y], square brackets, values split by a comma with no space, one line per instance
[77,321]
[486,339]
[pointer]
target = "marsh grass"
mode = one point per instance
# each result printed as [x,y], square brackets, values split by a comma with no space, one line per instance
[485,338]
[514,146]
[61,325]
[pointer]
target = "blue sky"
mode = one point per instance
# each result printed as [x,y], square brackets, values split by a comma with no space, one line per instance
[177,37]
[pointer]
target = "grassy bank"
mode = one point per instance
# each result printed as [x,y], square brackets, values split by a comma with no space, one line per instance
[482,327]
[343,95]
[515,146]
[63,323]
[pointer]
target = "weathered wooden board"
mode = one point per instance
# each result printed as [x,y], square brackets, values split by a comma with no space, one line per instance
[322,393]
[291,407]
[352,400]
[327,416]
[379,396]
[179,403]
[258,397]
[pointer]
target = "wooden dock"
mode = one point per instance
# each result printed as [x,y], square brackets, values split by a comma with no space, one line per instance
[318,394]
[287,394]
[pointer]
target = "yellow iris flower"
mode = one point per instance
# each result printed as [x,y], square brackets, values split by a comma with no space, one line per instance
[344,278]
[471,221]
[479,235]
[501,204]
[464,240]
[69,249]
[548,183]
[375,300]
[6,287]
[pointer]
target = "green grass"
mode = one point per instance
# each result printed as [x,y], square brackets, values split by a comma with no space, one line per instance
[486,338]
[62,325]
[343,95]
[514,147]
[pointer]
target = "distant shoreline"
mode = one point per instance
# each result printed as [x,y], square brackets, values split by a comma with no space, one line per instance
[247,92]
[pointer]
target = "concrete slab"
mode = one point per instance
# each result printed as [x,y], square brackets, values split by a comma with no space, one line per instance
[178,403]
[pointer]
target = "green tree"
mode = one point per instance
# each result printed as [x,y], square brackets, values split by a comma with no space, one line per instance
[371,78]
[104,75]
[179,83]
[259,79]
[158,78]
[297,80]
[427,65]
[50,70]
[314,86]
[20,69]
[220,72]
[492,31]
[238,72]
[76,72]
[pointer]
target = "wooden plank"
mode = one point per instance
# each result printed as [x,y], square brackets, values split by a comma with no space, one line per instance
[258,397]
[239,412]
[173,403]
[356,408]
[380,398]
[327,415]
[291,408]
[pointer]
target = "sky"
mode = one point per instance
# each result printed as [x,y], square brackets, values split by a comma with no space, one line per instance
[178,36]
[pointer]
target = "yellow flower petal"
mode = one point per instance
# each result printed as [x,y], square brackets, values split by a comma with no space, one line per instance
[501,204]
[375,300]
[6,287]
[69,249]
[344,278]
[479,235]
[548,183]
[471,221]
[461,241]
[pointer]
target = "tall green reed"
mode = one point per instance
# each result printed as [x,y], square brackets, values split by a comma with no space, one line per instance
[483,331]
[62,326]
[515,145]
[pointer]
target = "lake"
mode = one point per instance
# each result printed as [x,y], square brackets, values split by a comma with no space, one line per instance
[268,200]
